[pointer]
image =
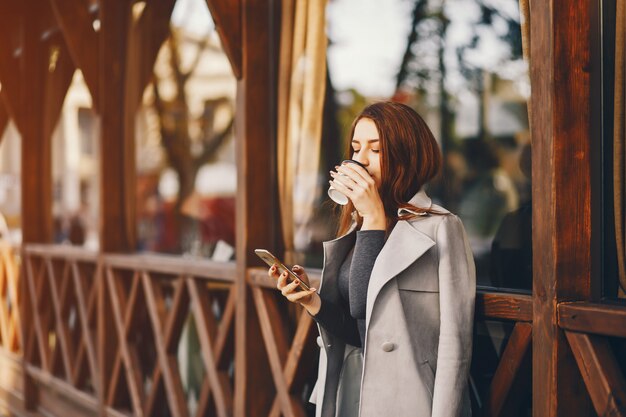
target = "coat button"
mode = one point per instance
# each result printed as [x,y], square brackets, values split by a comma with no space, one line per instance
[320,342]
[388,346]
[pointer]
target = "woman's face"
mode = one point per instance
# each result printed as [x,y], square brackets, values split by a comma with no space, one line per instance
[366,147]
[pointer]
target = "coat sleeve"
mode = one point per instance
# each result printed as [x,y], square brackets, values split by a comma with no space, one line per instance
[457,292]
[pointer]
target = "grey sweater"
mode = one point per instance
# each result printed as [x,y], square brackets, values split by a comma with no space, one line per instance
[347,319]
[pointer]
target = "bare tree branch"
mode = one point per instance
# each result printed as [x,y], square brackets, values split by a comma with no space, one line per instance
[201,47]
[213,145]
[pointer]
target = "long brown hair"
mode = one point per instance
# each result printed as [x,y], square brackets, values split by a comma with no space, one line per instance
[409,158]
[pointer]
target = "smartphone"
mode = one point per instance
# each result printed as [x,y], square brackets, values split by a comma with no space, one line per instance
[270,259]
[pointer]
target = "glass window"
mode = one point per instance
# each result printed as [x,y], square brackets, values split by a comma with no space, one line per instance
[612,194]
[185,144]
[460,65]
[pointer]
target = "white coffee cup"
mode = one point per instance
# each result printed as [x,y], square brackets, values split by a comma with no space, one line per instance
[336,195]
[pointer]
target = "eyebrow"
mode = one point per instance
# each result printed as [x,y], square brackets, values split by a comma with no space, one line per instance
[368,141]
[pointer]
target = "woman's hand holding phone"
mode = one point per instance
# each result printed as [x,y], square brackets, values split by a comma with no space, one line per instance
[310,300]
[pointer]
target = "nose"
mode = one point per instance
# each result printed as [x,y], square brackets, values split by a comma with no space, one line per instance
[361,159]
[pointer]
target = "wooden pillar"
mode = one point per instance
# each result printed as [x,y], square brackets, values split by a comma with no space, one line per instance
[560,77]
[42,74]
[36,148]
[257,204]
[117,182]
[117,147]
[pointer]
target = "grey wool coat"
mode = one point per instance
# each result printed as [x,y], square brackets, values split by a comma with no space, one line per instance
[419,319]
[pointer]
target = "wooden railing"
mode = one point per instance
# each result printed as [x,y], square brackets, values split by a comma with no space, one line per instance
[153,298]
[60,309]
[289,337]
[104,332]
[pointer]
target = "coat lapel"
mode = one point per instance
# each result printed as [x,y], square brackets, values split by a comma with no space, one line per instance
[403,247]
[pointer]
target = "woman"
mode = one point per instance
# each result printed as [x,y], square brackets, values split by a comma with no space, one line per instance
[396,300]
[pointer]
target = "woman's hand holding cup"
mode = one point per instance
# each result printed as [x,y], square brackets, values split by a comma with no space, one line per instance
[310,300]
[353,180]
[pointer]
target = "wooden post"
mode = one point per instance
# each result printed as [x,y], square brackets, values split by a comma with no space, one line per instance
[117,182]
[257,199]
[36,148]
[36,89]
[560,77]
[118,226]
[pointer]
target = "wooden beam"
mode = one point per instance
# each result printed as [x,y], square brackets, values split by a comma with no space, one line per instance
[601,372]
[227,15]
[513,375]
[256,222]
[76,23]
[603,319]
[561,143]
[501,306]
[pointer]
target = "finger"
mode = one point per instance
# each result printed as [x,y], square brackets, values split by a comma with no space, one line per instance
[349,178]
[282,281]
[297,296]
[291,287]
[358,172]
[341,188]
[299,271]
[273,271]
[346,180]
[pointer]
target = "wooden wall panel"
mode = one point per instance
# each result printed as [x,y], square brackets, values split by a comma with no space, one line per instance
[560,78]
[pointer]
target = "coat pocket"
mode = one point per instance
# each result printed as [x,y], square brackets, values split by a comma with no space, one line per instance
[423,275]
[419,282]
